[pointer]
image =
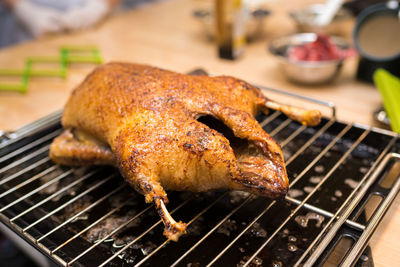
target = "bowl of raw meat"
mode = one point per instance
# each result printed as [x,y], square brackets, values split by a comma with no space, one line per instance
[311,58]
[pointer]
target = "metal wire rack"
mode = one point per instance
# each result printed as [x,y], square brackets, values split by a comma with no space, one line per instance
[89,216]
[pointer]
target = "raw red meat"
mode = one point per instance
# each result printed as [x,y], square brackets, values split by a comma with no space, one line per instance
[322,49]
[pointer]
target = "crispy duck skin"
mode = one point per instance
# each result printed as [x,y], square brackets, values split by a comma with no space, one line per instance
[153,125]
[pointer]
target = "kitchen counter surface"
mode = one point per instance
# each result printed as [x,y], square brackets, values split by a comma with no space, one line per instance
[166,35]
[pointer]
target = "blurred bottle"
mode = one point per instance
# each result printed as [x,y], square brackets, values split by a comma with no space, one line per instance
[230,28]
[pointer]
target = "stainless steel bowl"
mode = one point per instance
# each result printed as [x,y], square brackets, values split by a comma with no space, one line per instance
[305,20]
[306,72]
[253,18]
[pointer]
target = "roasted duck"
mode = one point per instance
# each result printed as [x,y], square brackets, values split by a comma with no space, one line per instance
[170,131]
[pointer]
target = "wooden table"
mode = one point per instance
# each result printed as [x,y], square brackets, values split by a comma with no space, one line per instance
[166,35]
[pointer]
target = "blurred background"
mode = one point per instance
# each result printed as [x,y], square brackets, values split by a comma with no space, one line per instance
[328,50]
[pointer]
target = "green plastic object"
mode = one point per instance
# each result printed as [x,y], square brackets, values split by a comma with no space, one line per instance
[389,87]
[19,87]
[67,55]
[81,54]
[33,71]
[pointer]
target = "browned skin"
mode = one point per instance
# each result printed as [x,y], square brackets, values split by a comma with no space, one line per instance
[144,121]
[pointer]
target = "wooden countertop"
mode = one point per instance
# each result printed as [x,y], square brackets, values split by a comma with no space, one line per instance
[165,34]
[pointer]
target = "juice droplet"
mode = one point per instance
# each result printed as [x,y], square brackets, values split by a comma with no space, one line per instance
[295,193]
[303,220]
[351,183]
[319,168]
[276,264]
[308,189]
[315,179]
[338,193]
[292,247]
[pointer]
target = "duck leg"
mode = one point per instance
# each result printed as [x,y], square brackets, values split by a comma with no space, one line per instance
[76,148]
[140,162]
[145,183]
[306,117]
[172,229]
[154,193]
